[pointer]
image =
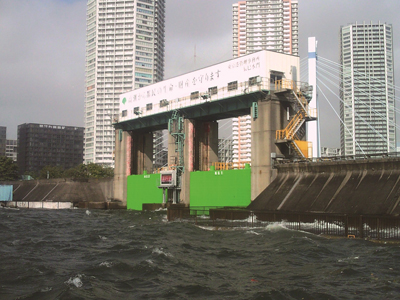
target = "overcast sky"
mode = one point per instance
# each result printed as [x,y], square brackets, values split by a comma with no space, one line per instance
[42,52]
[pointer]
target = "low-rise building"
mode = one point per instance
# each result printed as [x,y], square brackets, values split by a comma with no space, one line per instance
[11,149]
[3,137]
[41,145]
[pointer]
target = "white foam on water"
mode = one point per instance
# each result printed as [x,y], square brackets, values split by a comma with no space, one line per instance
[106,264]
[348,259]
[160,209]
[217,228]
[102,237]
[76,281]
[210,228]
[275,227]
[160,251]
[10,208]
[253,232]
[248,220]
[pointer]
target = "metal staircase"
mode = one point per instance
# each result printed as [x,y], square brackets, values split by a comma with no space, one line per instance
[294,132]
[175,128]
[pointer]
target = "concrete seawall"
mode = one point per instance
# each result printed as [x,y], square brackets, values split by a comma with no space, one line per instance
[91,194]
[349,187]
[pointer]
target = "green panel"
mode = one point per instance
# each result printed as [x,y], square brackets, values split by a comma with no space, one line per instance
[143,189]
[220,188]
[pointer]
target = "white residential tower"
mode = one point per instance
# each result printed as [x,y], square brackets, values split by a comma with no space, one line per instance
[261,25]
[124,51]
[367,89]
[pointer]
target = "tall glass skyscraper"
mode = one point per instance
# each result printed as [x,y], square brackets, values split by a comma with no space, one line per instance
[261,25]
[124,51]
[367,89]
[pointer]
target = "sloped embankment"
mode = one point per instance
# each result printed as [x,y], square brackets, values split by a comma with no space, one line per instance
[346,187]
[61,190]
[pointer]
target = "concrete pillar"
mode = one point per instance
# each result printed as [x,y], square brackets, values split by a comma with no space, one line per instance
[207,139]
[271,116]
[172,155]
[122,163]
[142,153]
[189,159]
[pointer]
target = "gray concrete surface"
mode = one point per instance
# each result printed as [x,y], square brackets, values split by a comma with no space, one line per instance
[351,187]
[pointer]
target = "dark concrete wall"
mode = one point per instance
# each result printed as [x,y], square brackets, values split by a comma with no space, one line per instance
[350,187]
[61,190]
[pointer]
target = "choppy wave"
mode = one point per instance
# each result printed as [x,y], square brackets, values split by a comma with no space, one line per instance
[74,254]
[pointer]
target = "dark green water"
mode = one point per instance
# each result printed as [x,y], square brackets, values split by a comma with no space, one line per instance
[78,254]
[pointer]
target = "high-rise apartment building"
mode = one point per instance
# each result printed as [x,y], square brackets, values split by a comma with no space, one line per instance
[124,51]
[367,89]
[261,25]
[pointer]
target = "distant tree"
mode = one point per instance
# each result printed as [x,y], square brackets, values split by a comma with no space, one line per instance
[52,172]
[8,169]
[32,174]
[91,170]
[77,173]
[99,171]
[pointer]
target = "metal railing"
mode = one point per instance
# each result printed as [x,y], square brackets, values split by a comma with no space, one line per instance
[341,158]
[377,227]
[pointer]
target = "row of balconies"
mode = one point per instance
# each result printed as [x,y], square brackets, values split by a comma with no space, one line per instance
[242,133]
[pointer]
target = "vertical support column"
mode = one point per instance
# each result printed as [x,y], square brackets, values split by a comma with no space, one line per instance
[207,136]
[313,126]
[189,159]
[122,170]
[172,154]
[142,153]
[263,134]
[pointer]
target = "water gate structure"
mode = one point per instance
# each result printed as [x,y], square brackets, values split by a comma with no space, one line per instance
[264,84]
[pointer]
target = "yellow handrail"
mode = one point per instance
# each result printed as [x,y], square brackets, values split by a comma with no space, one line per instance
[288,132]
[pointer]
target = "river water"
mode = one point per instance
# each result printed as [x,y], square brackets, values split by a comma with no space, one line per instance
[81,254]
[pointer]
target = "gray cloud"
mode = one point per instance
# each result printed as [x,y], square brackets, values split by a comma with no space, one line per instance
[42,63]
[42,58]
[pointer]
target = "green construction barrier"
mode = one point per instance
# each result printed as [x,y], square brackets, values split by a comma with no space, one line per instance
[208,189]
[220,188]
[143,189]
